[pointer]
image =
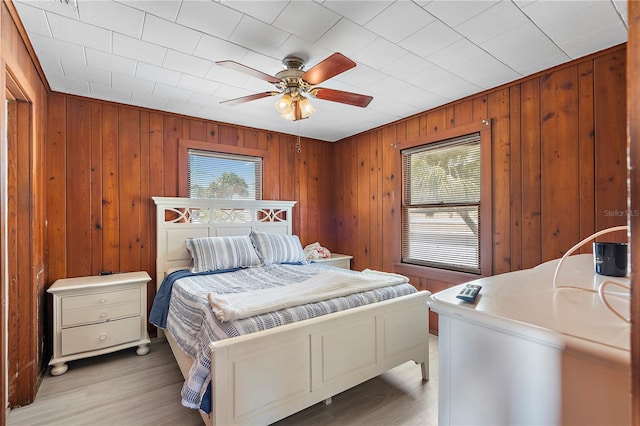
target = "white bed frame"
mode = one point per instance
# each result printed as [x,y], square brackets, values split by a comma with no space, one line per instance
[268,375]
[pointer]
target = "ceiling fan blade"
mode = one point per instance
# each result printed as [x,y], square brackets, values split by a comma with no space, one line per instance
[333,95]
[248,98]
[248,70]
[330,67]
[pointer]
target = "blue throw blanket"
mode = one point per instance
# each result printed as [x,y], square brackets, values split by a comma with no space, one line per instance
[160,307]
[160,310]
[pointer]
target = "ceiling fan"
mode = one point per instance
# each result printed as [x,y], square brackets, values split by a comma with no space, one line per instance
[293,83]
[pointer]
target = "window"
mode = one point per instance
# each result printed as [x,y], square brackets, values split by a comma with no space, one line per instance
[224,176]
[441,204]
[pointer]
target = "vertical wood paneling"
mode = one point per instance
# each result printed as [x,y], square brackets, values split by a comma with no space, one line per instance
[375,206]
[27,335]
[350,215]
[171,134]
[586,142]
[412,129]
[611,135]
[515,174]
[110,185]
[147,256]
[498,110]
[129,188]
[78,188]
[156,189]
[363,219]
[213,135]
[197,130]
[250,138]
[437,120]
[288,175]
[270,181]
[531,243]
[56,194]
[311,173]
[391,195]
[16,343]
[96,189]
[463,113]
[228,135]
[451,117]
[479,108]
[560,162]
[302,184]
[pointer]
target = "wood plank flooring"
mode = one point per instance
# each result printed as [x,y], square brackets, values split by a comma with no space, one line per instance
[128,390]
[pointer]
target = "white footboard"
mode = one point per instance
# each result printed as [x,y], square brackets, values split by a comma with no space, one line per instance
[263,377]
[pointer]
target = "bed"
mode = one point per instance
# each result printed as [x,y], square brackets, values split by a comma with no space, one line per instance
[264,376]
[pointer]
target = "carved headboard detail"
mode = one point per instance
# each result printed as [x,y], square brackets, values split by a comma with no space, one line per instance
[180,218]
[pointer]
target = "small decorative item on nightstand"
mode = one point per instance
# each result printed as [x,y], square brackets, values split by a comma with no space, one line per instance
[98,315]
[338,260]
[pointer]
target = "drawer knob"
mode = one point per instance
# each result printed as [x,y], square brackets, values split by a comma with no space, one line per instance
[103,314]
[103,300]
[103,336]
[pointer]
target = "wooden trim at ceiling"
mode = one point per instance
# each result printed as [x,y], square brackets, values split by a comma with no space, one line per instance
[25,38]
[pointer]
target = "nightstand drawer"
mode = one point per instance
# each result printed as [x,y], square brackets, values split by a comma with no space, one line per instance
[97,336]
[100,314]
[97,300]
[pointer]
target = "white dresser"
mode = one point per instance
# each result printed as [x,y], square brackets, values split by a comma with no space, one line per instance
[528,353]
[337,260]
[97,315]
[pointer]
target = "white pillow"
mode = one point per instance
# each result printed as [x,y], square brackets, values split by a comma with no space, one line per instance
[216,253]
[278,248]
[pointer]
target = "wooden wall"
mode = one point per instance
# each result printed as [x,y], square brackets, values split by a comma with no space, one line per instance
[23,235]
[633,112]
[558,162]
[105,161]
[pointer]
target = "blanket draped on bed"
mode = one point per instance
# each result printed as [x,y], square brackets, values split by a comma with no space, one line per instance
[326,285]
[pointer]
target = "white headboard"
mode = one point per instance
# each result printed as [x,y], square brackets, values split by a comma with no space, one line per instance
[181,218]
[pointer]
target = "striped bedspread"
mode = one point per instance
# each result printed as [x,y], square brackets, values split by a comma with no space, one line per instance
[192,322]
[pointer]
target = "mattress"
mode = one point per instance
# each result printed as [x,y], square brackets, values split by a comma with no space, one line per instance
[192,322]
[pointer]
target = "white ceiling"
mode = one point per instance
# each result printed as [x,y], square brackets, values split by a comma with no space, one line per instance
[412,55]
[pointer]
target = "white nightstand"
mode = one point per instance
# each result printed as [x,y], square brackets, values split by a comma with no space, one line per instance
[338,260]
[97,315]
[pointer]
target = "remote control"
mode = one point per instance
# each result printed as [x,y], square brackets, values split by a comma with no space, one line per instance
[469,292]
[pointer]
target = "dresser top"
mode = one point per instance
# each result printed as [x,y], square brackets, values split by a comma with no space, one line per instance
[526,303]
[98,281]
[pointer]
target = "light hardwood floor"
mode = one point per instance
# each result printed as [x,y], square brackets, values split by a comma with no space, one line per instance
[124,389]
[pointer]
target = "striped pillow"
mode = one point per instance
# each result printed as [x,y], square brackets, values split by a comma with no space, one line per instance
[217,253]
[278,248]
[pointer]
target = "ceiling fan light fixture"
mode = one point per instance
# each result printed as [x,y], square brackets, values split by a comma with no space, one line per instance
[291,115]
[306,109]
[300,108]
[284,104]
[292,82]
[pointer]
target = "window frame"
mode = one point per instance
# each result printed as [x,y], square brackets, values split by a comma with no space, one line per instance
[184,145]
[486,236]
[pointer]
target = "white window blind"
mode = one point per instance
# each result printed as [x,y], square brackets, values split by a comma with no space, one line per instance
[224,176]
[441,204]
